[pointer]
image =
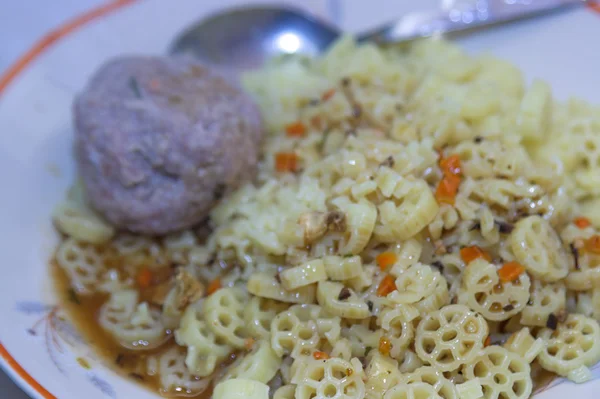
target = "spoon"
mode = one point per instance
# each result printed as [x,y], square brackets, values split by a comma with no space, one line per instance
[244,38]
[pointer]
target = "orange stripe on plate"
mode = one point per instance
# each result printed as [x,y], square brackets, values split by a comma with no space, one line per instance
[20,371]
[6,79]
[54,36]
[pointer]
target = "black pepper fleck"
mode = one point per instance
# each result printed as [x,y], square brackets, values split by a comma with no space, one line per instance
[575,253]
[478,139]
[508,307]
[552,321]
[504,227]
[344,294]
[370,305]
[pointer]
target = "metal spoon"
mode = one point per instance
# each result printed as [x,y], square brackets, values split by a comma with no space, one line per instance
[245,38]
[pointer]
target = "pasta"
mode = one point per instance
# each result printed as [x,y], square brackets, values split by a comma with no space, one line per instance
[435,235]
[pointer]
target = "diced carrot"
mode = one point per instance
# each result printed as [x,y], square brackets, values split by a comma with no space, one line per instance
[450,165]
[386,259]
[447,189]
[469,254]
[286,162]
[488,341]
[386,286]
[249,343]
[592,244]
[214,286]
[296,129]
[328,94]
[582,222]
[144,278]
[510,272]
[385,345]
[318,355]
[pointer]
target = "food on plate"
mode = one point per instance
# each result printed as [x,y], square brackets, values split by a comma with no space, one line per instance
[160,140]
[417,227]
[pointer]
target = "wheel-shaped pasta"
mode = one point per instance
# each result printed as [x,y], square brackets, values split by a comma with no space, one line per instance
[502,374]
[415,390]
[204,349]
[341,301]
[435,301]
[224,314]
[265,285]
[241,388]
[415,283]
[382,374]
[81,223]
[331,378]
[544,299]
[133,325]
[83,264]
[340,268]
[536,246]
[174,377]
[300,276]
[416,209]
[397,325]
[259,313]
[523,344]
[483,292]
[450,337]
[360,222]
[573,344]
[260,364]
[302,326]
[430,375]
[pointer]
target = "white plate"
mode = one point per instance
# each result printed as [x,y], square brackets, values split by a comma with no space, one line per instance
[36,164]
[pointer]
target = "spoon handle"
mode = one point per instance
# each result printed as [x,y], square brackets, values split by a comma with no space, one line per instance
[476,14]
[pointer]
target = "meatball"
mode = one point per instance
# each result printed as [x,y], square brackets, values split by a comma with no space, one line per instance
[159,141]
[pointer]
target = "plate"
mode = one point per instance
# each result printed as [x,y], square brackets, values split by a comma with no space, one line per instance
[39,349]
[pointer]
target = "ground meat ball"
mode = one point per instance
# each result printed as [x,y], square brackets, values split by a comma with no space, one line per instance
[159,141]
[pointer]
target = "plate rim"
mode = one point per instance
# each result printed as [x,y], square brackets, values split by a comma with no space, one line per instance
[11,367]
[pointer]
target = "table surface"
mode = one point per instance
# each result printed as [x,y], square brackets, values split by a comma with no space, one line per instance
[30,19]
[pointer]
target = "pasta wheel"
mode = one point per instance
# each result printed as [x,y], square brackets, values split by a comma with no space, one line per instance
[83,264]
[450,337]
[174,377]
[415,283]
[415,390]
[416,210]
[350,306]
[483,292]
[261,364]
[285,392]
[135,326]
[302,326]
[573,344]
[240,388]
[382,373]
[360,222]
[502,374]
[332,378]
[204,349]
[429,375]
[537,247]
[544,299]
[435,301]
[81,223]
[259,313]
[301,276]
[398,327]
[266,286]
[339,268]
[224,313]
[523,344]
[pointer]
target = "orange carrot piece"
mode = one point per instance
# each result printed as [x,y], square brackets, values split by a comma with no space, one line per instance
[451,165]
[318,355]
[386,286]
[386,259]
[447,189]
[296,129]
[214,286]
[510,272]
[328,94]
[385,345]
[144,278]
[469,254]
[582,222]
[286,162]
[592,244]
